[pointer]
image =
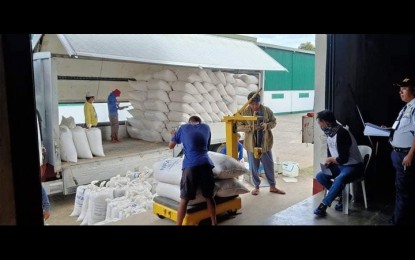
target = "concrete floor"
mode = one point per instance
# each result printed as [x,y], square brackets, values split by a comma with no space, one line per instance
[255,209]
[287,141]
[302,214]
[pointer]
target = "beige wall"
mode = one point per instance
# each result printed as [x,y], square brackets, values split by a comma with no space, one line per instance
[320,151]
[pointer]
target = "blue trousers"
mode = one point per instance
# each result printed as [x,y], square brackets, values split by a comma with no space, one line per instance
[342,175]
[404,213]
[268,164]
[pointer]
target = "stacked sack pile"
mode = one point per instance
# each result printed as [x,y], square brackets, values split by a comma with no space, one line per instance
[168,173]
[116,199]
[77,142]
[164,100]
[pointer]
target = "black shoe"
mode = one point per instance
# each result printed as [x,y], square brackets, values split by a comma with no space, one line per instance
[321,210]
[339,206]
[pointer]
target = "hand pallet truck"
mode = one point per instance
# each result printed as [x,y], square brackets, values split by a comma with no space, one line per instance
[166,208]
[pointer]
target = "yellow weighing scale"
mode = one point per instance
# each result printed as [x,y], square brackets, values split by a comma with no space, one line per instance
[231,136]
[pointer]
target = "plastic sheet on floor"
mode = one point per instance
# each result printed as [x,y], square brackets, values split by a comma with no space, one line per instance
[288,179]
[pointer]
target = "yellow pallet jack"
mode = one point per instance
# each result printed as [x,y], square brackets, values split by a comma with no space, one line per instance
[166,208]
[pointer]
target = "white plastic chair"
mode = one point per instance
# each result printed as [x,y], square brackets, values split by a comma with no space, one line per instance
[364,151]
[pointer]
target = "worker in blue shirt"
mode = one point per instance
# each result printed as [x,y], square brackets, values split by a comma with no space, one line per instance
[197,166]
[113,107]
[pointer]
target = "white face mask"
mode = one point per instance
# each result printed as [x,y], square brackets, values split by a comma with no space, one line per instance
[194,123]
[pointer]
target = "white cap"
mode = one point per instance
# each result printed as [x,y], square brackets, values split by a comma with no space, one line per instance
[88,94]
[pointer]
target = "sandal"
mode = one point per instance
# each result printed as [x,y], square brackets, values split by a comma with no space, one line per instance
[275,190]
[255,192]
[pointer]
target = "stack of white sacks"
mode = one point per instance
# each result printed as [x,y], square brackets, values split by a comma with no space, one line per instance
[116,199]
[77,142]
[164,100]
[168,174]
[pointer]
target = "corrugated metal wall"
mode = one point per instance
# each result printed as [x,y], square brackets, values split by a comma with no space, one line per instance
[279,80]
[292,91]
[303,71]
[300,66]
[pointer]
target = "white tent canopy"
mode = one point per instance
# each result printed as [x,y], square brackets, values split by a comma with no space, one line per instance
[192,50]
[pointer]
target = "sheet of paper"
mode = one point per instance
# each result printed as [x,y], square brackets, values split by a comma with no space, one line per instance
[325,170]
[374,130]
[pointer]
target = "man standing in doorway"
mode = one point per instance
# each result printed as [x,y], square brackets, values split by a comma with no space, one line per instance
[113,107]
[403,144]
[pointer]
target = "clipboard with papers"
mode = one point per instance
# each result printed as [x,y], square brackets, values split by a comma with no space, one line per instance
[374,130]
[325,169]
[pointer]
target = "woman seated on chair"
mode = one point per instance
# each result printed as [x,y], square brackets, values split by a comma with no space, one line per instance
[343,160]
